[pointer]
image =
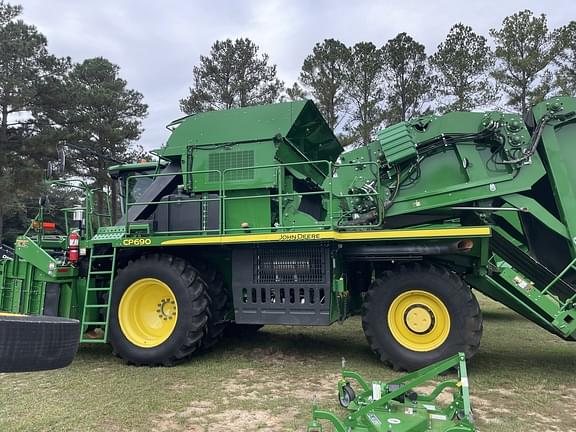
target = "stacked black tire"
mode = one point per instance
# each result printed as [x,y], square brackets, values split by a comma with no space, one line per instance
[35,343]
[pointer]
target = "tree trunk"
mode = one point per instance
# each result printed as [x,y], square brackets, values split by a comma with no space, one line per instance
[1,224]
[114,201]
[524,91]
[3,143]
[4,126]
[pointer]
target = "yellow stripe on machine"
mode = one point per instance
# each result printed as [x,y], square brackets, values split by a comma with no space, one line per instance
[333,235]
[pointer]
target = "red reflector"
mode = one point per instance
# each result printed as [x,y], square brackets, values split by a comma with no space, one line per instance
[62,270]
[49,225]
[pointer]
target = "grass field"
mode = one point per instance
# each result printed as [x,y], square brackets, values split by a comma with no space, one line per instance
[523,379]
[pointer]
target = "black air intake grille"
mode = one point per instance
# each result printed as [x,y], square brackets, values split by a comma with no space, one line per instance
[287,284]
[231,159]
[290,265]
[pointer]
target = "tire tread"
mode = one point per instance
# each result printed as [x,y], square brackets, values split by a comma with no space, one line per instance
[469,307]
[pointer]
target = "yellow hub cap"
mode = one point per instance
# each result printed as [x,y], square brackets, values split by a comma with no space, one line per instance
[148,312]
[419,320]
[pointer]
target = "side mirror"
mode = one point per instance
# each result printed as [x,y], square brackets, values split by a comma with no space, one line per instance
[61,164]
[49,170]
[57,167]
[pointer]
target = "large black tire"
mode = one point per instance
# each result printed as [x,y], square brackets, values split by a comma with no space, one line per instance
[389,298]
[35,343]
[191,294]
[218,307]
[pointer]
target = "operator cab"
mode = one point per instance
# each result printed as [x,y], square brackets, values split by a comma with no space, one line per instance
[136,185]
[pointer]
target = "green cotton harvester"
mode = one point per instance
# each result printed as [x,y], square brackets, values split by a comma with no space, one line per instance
[256,216]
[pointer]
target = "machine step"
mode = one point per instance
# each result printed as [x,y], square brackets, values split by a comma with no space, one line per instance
[96,310]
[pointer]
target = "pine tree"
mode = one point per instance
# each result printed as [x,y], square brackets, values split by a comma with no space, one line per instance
[407,77]
[565,80]
[294,93]
[525,50]
[234,75]
[25,69]
[463,63]
[99,118]
[323,73]
[364,92]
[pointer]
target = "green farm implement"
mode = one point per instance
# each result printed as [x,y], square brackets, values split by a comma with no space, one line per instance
[398,406]
[257,216]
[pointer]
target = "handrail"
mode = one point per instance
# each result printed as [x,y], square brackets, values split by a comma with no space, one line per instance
[87,208]
[332,220]
[127,203]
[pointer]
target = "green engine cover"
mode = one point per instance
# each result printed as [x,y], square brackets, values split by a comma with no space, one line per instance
[232,140]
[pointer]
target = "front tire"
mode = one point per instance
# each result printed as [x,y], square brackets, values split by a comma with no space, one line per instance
[419,315]
[159,311]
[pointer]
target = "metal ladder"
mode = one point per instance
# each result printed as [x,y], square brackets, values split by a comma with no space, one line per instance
[98,292]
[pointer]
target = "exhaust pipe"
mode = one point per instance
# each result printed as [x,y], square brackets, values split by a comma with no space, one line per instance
[437,248]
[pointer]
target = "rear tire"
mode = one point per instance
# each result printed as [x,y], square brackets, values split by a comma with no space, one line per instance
[164,315]
[218,307]
[35,343]
[419,315]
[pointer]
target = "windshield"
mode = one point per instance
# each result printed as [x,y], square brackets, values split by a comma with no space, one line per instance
[136,188]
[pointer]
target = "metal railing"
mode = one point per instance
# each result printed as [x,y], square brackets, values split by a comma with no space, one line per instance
[92,219]
[337,203]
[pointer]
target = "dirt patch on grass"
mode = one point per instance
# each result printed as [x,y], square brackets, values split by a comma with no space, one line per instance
[251,420]
[499,405]
[254,391]
[247,385]
[275,357]
[200,419]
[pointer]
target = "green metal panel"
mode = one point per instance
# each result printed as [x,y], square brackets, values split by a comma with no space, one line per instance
[232,168]
[302,168]
[253,211]
[299,121]
[533,207]
[248,137]
[397,143]
[560,153]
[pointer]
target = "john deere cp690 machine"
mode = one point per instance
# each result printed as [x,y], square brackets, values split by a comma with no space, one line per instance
[256,216]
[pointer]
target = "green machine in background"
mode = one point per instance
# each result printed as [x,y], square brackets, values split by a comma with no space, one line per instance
[399,406]
[257,216]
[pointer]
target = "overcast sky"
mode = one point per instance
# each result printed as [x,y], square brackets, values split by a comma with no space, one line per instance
[157,43]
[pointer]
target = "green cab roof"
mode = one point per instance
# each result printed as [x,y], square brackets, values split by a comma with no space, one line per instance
[298,121]
[115,170]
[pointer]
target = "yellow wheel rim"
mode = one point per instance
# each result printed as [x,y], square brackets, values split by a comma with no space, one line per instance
[148,312]
[419,320]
